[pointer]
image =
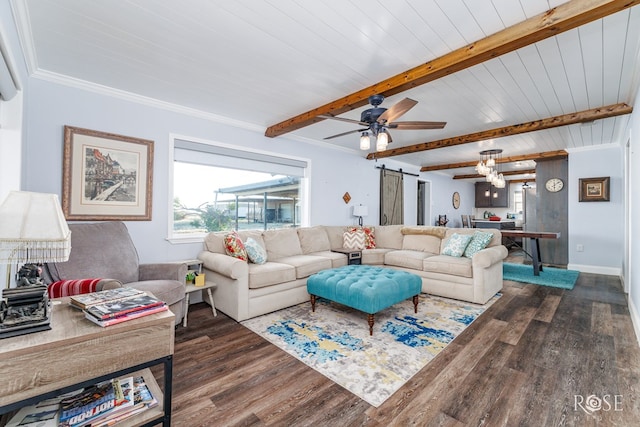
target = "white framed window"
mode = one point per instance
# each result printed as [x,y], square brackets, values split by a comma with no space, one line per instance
[219,187]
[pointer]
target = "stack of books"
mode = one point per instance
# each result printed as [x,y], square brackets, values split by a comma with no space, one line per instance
[115,306]
[103,404]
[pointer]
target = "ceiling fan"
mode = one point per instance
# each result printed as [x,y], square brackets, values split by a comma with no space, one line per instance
[379,120]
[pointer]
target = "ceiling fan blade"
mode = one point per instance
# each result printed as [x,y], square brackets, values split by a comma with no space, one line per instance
[346,133]
[416,125]
[397,110]
[357,122]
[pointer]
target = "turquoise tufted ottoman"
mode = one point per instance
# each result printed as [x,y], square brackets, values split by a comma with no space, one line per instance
[364,287]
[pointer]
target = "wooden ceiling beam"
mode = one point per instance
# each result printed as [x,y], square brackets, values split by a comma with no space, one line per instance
[548,123]
[565,17]
[511,159]
[522,180]
[505,173]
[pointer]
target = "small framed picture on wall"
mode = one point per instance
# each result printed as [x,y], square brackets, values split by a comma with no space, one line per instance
[594,189]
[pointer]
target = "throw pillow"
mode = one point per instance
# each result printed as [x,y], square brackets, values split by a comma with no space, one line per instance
[456,244]
[257,254]
[234,247]
[479,241]
[353,240]
[369,236]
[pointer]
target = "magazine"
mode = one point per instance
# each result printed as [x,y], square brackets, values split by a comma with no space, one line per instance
[123,407]
[123,306]
[90,403]
[127,316]
[84,301]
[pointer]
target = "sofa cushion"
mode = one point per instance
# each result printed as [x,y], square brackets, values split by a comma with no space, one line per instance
[455,266]
[214,242]
[353,239]
[479,241]
[334,232]
[306,265]
[256,253]
[234,247]
[456,244]
[369,236]
[421,242]
[313,239]
[270,273]
[407,259]
[337,259]
[281,243]
[374,256]
[389,236]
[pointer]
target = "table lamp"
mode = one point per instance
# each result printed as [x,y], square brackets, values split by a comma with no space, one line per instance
[32,231]
[360,211]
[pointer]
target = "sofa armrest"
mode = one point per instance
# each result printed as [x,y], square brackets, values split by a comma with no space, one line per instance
[489,256]
[225,265]
[163,271]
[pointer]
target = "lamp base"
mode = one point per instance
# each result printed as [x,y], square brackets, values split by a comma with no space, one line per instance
[360,221]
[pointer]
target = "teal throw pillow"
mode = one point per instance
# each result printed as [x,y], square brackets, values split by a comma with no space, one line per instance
[479,241]
[257,254]
[456,244]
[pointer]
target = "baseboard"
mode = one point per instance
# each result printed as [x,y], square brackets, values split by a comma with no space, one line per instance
[635,318]
[607,271]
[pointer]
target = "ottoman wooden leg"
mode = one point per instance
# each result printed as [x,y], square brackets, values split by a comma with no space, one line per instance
[415,303]
[313,303]
[370,321]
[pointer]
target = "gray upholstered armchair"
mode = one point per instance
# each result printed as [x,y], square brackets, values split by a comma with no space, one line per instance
[105,250]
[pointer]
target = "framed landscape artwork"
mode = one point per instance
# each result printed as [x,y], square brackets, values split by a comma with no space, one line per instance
[106,177]
[594,189]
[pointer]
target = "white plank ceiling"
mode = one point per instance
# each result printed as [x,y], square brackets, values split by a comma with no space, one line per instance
[262,62]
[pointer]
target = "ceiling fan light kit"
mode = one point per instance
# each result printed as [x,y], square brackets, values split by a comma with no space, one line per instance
[378,120]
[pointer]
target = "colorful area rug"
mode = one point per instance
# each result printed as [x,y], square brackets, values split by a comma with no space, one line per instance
[554,277]
[335,340]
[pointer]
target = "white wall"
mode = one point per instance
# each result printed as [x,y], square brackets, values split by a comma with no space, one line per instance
[597,226]
[633,278]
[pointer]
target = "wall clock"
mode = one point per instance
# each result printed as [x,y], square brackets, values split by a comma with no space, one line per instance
[554,185]
[456,200]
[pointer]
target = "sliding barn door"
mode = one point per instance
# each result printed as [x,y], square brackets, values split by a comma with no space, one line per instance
[391,197]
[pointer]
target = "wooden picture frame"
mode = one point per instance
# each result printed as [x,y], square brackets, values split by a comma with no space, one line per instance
[594,189]
[106,177]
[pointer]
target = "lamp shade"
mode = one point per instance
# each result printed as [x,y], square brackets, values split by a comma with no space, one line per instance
[360,210]
[33,229]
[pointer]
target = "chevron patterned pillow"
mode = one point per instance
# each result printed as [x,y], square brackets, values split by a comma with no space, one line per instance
[353,239]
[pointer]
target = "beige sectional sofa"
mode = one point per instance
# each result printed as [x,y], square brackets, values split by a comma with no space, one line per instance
[245,290]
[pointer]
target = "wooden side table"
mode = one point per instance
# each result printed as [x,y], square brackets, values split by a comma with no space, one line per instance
[193,288]
[76,353]
[196,266]
[354,256]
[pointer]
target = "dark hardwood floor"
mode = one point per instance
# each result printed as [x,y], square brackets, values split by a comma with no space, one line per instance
[526,361]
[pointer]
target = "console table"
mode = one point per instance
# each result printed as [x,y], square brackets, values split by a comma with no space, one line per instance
[76,353]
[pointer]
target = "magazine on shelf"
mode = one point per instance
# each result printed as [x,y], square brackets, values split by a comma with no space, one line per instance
[84,301]
[128,316]
[111,309]
[123,407]
[90,403]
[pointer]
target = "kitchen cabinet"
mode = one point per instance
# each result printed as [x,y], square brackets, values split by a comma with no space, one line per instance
[496,198]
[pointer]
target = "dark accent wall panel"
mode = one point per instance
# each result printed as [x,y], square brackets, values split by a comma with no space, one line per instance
[552,210]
